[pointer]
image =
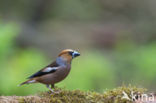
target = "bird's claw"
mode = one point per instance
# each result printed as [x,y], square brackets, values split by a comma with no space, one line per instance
[54,92]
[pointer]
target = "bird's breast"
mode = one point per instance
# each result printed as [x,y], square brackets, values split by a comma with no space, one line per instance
[63,72]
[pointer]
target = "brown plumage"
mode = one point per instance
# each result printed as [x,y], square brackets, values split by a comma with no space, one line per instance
[56,71]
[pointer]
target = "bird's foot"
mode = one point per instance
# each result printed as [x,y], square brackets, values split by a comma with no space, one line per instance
[57,92]
[54,92]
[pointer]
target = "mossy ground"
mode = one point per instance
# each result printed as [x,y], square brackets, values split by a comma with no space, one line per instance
[77,96]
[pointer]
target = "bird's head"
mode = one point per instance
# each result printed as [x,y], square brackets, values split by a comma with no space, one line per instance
[69,54]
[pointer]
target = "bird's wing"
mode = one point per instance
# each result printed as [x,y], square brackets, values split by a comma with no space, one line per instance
[48,69]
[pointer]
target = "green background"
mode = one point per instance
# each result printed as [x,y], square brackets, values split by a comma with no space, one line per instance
[116,39]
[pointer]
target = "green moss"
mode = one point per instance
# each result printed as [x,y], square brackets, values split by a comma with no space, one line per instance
[21,100]
[77,96]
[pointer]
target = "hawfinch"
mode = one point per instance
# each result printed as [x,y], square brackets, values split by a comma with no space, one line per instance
[56,71]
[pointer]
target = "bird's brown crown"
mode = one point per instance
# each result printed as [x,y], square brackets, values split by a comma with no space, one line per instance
[66,51]
[66,54]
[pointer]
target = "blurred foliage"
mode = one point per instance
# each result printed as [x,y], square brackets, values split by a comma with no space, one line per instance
[93,70]
[15,63]
[136,63]
[82,9]
[117,40]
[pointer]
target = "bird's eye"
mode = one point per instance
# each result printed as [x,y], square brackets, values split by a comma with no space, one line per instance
[71,53]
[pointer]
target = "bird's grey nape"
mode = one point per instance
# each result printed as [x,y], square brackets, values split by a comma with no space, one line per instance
[61,61]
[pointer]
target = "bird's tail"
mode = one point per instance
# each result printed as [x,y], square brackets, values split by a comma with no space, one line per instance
[28,82]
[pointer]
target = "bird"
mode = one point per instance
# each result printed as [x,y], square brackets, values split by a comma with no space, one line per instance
[54,72]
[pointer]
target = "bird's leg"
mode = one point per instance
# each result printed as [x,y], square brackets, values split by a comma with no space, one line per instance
[49,88]
[52,86]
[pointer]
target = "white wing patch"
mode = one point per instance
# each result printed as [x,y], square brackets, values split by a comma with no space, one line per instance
[48,69]
[32,81]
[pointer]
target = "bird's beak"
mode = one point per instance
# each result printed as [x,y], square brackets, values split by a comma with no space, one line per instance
[75,54]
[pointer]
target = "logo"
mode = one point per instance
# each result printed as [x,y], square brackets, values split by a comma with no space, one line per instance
[138,97]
